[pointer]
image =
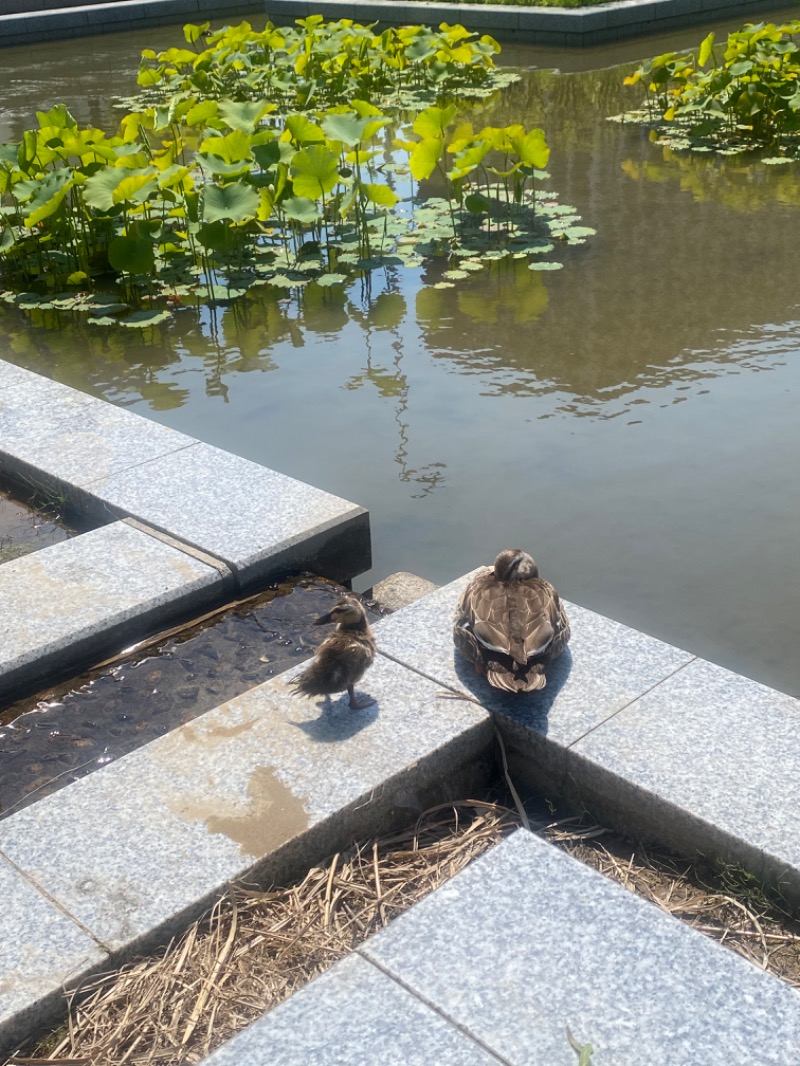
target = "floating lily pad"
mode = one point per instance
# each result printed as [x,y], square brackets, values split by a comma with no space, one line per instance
[107,308]
[288,281]
[143,319]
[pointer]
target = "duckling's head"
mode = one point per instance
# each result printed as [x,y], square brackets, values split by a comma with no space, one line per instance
[513,564]
[348,614]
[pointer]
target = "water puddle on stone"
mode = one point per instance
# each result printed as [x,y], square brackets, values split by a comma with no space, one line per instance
[52,739]
[26,525]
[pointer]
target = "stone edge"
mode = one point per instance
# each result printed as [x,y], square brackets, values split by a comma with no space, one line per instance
[337,547]
[570,27]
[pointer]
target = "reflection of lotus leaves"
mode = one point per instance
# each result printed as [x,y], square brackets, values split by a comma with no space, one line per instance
[508,291]
[387,383]
[514,293]
[743,186]
[387,311]
[324,309]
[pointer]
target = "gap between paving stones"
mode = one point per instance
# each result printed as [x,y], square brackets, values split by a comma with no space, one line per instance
[262,948]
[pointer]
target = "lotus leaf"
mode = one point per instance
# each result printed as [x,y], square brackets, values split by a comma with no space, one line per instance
[237,202]
[131,255]
[300,209]
[143,319]
[315,171]
[381,195]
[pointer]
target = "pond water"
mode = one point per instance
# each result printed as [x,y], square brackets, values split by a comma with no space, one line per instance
[27,524]
[631,419]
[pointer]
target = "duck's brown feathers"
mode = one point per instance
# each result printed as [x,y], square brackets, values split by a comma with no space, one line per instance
[343,657]
[511,629]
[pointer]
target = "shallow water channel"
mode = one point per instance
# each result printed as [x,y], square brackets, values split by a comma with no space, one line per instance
[632,419]
[49,740]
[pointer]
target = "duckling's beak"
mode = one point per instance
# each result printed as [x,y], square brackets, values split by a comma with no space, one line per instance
[326,618]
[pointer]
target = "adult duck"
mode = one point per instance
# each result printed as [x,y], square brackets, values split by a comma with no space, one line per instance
[510,623]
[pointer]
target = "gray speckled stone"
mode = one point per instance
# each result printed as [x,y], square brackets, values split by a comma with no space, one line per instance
[11,375]
[257,520]
[83,597]
[41,949]
[353,1015]
[136,846]
[527,940]
[605,667]
[401,589]
[707,760]
[66,438]
[110,462]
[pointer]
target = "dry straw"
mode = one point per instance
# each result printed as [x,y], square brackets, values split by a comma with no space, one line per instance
[256,948]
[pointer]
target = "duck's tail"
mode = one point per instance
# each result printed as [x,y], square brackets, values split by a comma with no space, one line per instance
[528,679]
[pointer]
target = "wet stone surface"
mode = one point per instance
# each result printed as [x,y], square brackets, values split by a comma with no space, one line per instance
[52,739]
[25,527]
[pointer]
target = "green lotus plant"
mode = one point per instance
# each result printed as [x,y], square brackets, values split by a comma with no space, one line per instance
[201,194]
[315,64]
[745,96]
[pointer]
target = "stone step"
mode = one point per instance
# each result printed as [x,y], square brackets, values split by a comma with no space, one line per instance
[522,947]
[111,463]
[73,602]
[257,790]
[651,739]
[576,27]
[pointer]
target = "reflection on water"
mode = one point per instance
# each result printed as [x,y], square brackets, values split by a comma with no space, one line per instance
[632,418]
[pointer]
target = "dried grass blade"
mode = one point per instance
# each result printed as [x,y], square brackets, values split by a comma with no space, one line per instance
[210,981]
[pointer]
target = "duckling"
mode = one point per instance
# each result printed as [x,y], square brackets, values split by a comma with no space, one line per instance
[343,657]
[510,623]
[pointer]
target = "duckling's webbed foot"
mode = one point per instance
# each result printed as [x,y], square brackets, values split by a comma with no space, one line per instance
[357,703]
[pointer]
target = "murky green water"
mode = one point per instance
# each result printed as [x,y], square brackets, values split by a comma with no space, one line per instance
[632,418]
[26,527]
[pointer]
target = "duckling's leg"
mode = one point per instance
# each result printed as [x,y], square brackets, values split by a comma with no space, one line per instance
[357,702]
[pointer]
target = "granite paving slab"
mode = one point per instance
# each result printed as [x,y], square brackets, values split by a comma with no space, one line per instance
[256,520]
[75,601]
[605,667]
[108,462]
[11,374]
[353,1015]
[709,761]
[527,941]
[261,787]
[41,949]
[56,435]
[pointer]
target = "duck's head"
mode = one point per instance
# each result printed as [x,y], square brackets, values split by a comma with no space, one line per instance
[514,564]
[347,613]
